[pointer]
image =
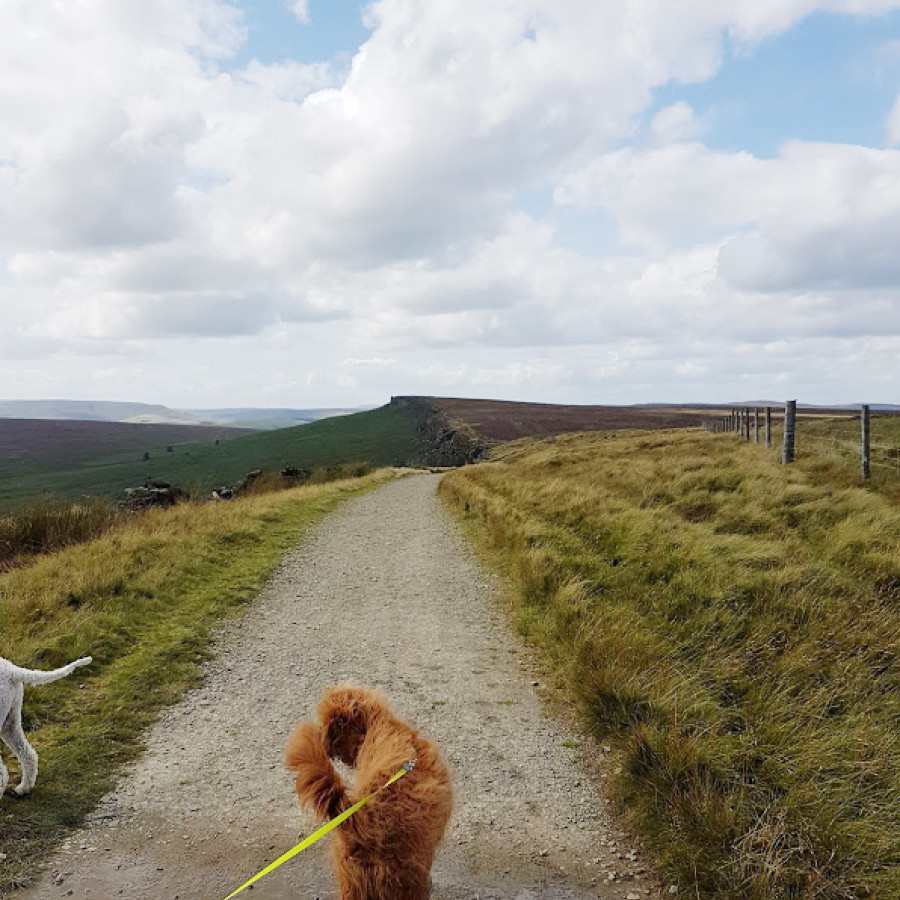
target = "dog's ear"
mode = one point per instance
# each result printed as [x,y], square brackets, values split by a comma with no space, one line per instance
[334,727]
[347,713]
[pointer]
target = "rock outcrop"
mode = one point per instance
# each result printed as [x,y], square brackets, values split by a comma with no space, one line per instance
[441,441]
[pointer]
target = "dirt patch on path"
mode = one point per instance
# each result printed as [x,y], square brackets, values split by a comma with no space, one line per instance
[384,591]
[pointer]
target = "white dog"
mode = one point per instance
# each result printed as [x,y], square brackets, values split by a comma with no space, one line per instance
[12,679]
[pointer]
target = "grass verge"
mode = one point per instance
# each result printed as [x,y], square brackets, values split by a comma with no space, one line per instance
[732,625]
[142,600]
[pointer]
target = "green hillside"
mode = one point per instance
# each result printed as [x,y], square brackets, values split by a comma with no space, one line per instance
[385,436]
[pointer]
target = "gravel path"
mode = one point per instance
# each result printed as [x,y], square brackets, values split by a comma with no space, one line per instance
[383,591]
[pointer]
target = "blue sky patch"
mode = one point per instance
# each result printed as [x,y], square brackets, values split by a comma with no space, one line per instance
[830,78]
[335,31]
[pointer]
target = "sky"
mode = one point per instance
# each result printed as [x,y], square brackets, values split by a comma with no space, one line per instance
[324,203]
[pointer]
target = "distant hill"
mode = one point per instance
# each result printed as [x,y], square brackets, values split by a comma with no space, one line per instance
[95,411]
[476,425]
[73,459]
[265,418]
[149,413]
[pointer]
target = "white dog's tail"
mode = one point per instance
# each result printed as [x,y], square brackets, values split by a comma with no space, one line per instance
[31,676]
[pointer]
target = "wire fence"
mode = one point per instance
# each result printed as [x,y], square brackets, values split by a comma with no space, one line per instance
[872,440]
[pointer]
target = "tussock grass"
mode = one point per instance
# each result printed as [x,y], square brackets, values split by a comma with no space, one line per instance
[50,524]
[732,624]
[141,599]
[828,449]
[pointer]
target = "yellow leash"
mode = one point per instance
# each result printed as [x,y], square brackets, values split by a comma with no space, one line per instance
[328,826]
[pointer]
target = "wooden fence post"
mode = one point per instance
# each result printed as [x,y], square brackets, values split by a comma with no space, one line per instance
[768,426]
[790,419]
[747,424]
[864,419]
[755,424]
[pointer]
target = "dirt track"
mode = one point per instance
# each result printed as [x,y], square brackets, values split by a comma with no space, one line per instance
[385,592]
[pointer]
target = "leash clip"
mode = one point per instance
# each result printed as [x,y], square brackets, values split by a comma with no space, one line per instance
[409,766]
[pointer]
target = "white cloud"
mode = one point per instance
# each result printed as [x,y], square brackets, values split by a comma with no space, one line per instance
[300,8]
[817,217]
[830,225]
[675,123]
[676,195]
[147,193]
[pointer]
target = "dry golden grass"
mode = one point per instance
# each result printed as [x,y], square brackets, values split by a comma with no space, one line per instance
[732,624]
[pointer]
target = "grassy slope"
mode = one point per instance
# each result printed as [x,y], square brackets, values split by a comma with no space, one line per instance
[733,624]
[384,436]
[141,600]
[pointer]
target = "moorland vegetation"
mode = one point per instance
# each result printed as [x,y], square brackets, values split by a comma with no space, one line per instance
[76,459]
[383,437]
[730,626]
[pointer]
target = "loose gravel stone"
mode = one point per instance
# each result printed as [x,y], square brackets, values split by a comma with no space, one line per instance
[385,592]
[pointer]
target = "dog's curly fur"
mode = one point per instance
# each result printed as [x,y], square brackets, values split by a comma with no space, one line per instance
[385,850]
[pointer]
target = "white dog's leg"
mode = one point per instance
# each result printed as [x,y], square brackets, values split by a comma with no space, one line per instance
[14,737]
[6,704]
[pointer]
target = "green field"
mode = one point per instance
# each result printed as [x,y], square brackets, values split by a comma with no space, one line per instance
[384,436]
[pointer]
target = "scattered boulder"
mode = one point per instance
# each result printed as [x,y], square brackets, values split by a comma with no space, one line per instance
[230,491]
[153,493]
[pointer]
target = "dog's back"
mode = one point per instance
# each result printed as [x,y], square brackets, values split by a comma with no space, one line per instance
[385,850]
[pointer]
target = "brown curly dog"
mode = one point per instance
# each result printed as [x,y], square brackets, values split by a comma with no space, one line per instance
[385,850]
